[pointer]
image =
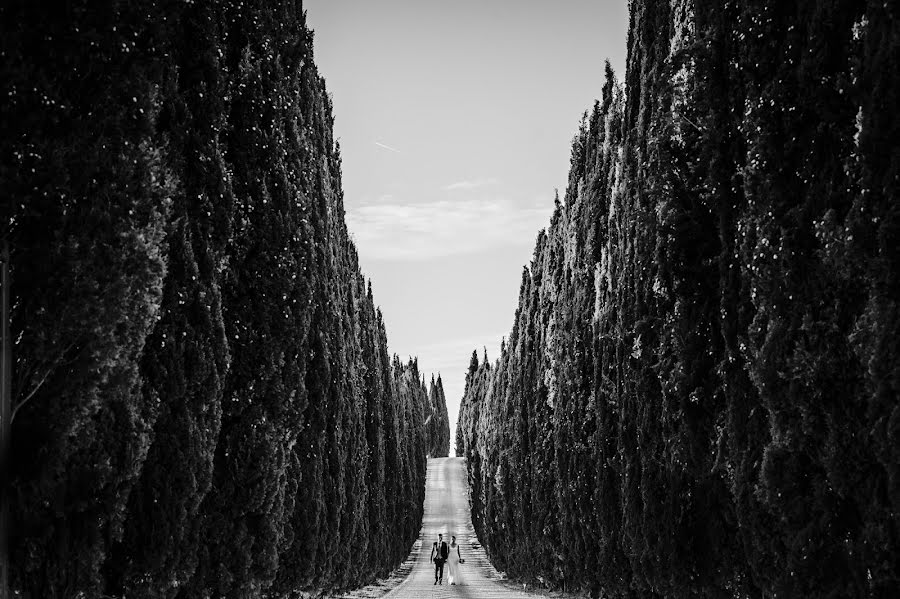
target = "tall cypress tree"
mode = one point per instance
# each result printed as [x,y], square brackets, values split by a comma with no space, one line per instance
[86,200]
[438,423]
[187,354]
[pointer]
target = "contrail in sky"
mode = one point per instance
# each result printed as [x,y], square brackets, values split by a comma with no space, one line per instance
[381,145]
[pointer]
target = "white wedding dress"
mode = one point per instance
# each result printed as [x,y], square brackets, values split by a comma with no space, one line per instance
[453,564]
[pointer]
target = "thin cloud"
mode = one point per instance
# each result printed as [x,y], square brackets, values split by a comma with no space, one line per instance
[417,232]
[470,184]
[387,147]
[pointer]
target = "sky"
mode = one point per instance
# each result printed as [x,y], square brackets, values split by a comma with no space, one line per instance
[455,121]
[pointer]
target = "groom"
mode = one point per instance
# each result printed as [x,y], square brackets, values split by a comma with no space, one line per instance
[439,557]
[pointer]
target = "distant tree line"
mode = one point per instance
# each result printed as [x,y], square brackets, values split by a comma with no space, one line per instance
[205,402]
[437,424]
[699,395]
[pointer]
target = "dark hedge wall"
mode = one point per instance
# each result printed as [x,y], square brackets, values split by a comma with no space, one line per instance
[699,395]
[210,409]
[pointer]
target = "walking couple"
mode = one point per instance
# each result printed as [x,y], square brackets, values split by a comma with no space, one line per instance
[440,553]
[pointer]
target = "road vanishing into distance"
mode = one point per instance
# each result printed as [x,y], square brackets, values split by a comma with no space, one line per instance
[447,512]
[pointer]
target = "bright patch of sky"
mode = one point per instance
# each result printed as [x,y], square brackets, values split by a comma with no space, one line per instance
[455,121]
[420,232]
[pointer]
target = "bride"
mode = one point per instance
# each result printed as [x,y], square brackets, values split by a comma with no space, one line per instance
[453,560]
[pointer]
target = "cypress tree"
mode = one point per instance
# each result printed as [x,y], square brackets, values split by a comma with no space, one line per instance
[187,354]
[437,422]
[87,198]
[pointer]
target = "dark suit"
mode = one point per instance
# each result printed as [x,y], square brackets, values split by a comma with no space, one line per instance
[443,551]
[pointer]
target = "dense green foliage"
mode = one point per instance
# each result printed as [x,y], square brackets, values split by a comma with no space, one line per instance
[699,395]
[437,423]
[209,408]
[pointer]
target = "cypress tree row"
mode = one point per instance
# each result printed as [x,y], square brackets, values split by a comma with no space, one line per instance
[437,423]
[205,402]
[413,404]
[698,397]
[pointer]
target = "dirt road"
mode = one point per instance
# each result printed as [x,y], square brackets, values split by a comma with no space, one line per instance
[447,512]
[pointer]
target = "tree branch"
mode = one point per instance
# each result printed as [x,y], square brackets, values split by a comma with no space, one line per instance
[12,417]
[699,130]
